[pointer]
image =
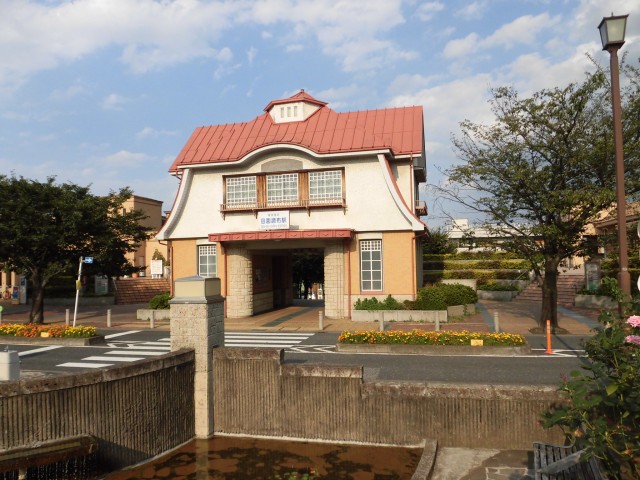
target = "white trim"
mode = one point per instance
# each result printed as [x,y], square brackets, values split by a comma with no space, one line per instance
[279,146]
[370,236]
[178,206]
[416,224]
[204,241]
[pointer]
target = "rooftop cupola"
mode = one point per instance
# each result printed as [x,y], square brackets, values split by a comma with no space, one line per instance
[297,108]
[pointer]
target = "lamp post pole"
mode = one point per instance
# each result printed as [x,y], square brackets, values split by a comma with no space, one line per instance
[612,30]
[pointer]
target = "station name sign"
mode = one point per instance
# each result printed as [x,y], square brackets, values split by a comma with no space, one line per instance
[275,220]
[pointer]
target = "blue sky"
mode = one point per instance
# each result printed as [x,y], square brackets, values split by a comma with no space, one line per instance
[106,92]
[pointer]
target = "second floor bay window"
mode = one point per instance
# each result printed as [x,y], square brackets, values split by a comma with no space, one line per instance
[299,189]
[282,189]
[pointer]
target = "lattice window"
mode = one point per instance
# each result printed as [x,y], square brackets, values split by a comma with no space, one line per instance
[241,191]
[325,187]
[371,265]
[207,260]
[282,189]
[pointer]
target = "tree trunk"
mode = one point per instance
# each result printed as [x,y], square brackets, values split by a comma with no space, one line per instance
[37,302]
[549,309]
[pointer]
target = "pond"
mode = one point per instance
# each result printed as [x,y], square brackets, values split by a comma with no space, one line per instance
[241,458]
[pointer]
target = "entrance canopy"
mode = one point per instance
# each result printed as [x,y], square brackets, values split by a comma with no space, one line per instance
[281,235]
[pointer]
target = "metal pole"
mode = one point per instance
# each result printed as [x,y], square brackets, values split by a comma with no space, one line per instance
[496,321]
[624,279]
[320,320]
[109,318]
[75,310]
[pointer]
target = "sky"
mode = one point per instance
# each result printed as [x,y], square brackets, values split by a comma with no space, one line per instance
[105,93]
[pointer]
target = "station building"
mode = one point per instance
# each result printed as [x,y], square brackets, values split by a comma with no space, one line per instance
[302,178]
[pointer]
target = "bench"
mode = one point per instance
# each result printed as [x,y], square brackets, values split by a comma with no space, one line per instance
[553,462]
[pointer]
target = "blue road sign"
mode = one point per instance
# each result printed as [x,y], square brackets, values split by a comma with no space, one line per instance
[88,260]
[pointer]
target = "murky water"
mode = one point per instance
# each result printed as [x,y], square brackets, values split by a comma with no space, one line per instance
[233,458]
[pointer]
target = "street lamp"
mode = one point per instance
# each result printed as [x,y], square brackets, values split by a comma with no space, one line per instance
[612,31]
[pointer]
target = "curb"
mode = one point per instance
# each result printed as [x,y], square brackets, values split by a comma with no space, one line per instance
[432,349]
[65,341]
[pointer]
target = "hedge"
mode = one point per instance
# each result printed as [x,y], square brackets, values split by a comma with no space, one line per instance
[477,265]
[483,276]
[485,255]
[435,297]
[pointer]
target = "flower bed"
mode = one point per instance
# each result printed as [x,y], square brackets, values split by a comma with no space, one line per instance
[18,333]
[432,343]
[55,331]
[422,337]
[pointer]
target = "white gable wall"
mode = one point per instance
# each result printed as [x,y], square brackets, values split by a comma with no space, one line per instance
[370,204]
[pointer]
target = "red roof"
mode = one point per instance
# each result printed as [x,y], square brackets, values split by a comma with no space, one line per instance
[324,132]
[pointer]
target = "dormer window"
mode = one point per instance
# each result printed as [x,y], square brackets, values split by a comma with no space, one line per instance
[294,109]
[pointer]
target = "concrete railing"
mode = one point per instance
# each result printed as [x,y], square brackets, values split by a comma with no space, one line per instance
[135,412]
[256,393]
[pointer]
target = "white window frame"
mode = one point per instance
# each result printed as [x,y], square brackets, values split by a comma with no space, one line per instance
[241,191]
[282,189]
[208,260]
[371,267]
[325,187]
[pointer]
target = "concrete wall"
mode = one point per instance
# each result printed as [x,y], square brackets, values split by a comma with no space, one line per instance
[256,394]
[135,412]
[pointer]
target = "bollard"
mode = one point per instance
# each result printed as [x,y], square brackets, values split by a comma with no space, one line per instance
[496,321]
[66,317]
[153,319]
[382,321]
[9,365]
[320,320]
[1,307]
[437,327]
[108,318]
[548,350]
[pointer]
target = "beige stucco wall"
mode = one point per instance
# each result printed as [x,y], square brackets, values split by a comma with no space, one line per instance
[183,263]
[398,266]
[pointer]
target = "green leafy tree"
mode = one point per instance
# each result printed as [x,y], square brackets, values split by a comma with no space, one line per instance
[543,170]
[438,242]
[46,227]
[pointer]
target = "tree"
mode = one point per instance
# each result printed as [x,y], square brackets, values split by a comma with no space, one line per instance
[543,170]
[45,228]
[438,242]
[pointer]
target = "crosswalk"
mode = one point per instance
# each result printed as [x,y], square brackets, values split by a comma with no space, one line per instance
[121,351]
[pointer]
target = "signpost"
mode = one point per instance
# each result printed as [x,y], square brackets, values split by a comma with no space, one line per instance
[79,285]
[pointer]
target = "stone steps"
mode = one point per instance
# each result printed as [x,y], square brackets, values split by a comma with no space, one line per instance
[139,290]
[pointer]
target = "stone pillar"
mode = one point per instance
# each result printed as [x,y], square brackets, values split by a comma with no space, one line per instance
[240,273]
[197,322]
[334,281]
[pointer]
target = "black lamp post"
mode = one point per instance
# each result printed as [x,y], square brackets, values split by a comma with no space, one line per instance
[612,30]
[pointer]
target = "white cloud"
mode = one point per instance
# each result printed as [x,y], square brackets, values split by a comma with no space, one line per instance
[73,91]
[523,30]
[462,46]
[252,53]
[114,101]
[149,132]
[473,10]
[123,158]
[427,10]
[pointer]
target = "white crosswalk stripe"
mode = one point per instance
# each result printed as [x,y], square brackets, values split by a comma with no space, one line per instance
[264,339]
[124,351]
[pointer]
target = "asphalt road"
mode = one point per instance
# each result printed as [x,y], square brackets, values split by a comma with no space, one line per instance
[538,368]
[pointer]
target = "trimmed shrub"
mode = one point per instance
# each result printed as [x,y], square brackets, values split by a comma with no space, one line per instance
[388,303]
[160,301]
[485,255]
[498,287]
[441,295]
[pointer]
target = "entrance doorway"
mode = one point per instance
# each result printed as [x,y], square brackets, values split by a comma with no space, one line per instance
[308,274]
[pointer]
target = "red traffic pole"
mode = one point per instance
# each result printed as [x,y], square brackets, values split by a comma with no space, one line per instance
[548,350]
